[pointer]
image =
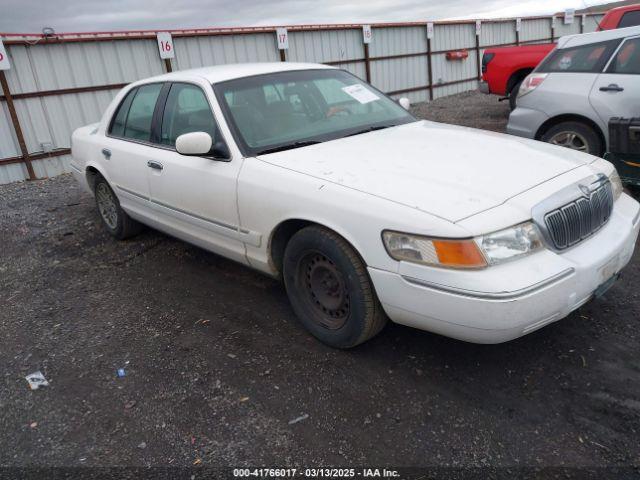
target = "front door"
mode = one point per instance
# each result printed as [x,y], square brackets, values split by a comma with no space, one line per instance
[195,197]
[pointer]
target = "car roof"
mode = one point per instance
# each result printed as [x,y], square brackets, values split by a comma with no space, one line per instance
[221,73]
[595,37]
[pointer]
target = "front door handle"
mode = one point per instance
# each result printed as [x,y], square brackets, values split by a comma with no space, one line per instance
[107,153]
[155,165]
[612,88]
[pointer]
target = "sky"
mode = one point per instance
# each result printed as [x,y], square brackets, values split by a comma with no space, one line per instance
[108,15]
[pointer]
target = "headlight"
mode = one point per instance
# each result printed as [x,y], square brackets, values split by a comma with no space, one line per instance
[510,243]
[616,184]
[480,252]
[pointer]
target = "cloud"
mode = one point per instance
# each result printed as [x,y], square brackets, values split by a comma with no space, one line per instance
[93,15]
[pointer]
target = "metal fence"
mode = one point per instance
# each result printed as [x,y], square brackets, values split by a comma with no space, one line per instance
[58,83]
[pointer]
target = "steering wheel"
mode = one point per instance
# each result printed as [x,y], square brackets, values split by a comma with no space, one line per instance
[336,110]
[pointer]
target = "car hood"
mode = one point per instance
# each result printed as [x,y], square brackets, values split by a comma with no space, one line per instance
[448,171]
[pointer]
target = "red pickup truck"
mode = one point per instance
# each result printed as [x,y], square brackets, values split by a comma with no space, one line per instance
[504,69]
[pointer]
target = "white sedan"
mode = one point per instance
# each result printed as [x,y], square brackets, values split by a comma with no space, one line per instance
[307,173]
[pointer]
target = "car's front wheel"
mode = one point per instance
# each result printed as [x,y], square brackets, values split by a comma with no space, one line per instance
[576,136]
[113,217]
[329,288]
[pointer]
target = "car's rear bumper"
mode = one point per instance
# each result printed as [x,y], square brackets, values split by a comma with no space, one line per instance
[483,87]
[547,287]
[525,122]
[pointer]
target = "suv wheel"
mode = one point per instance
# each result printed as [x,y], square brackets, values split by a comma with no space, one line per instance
[513,95]
[330,290]
[576,136]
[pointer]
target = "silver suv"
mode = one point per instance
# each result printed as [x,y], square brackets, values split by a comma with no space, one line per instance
[570,97]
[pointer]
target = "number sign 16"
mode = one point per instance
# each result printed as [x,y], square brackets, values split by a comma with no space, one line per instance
[165,45]
[366,33]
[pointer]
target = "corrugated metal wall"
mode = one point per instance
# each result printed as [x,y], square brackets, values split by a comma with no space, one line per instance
[47,114]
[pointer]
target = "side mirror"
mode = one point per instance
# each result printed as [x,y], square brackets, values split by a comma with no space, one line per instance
[405,103]
[194,143]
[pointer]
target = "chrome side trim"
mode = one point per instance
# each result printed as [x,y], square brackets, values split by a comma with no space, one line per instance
[491,295]
[131,192]
[194,215]
[75,168]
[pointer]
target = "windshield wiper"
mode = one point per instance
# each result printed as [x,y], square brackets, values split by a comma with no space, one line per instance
[370,129]
[288,146]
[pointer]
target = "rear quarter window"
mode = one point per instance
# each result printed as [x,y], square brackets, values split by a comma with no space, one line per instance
[583,59]
[630,19]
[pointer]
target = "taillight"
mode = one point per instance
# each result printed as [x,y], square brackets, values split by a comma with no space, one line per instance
[486,58]
[530,83]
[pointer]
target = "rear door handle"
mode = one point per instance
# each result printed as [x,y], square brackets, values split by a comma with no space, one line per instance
[107,153]
[155,165]
[612,88]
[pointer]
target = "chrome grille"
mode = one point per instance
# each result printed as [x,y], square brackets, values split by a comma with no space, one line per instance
[577,220]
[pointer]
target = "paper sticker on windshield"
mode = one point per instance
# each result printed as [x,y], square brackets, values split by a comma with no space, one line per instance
[360,93]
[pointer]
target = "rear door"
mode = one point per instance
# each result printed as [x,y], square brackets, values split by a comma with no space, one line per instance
[616,92]
[127,148]
[194,197]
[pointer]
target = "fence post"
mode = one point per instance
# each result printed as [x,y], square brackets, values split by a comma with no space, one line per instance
[478,60]
[553,29]
[16,126]
[430,64]
[517,33]
[167,65]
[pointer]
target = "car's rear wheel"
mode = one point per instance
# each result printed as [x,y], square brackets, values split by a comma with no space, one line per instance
[576,136]
[113,217]
[329,288]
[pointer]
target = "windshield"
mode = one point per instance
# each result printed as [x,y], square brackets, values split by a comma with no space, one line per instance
[292,109]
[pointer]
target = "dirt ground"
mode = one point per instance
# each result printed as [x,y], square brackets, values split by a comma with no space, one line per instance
[220,372]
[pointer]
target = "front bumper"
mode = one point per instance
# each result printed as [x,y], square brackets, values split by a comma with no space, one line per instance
[483,87]
[546,286]
[525,122]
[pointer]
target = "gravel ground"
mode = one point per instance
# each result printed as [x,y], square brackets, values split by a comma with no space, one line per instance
[218,369]
[470,109]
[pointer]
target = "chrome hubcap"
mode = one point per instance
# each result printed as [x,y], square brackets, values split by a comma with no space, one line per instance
[107,206]
[570,140]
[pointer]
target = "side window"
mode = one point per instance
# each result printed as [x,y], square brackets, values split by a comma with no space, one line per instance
[583,59]
[630,19]
[117,124]
[187,110]
[138,126]
[627,60]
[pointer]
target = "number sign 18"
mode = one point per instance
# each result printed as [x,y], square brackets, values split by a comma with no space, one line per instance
[4,58]
[165,45]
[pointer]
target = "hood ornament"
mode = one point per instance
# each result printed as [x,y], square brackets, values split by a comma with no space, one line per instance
[586,191]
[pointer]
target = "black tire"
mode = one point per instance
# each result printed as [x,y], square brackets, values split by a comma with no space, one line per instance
[116,221]
[560,134]
[330,290]
[513,95]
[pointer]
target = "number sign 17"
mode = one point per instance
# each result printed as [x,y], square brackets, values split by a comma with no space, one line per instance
[283,38]
[165,45]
